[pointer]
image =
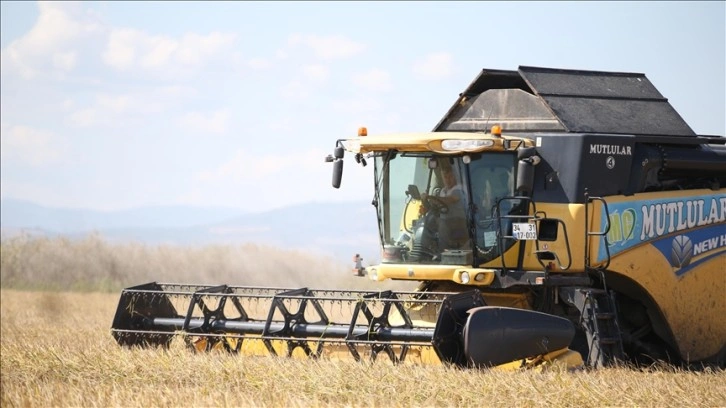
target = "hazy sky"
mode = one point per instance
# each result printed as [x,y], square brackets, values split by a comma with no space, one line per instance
[114,105]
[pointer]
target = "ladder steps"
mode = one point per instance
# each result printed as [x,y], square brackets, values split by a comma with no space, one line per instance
[599,311]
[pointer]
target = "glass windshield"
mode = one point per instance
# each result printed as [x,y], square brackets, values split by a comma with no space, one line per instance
[436,209]
[492,186]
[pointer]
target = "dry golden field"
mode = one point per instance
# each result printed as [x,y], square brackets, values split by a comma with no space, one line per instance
[57,350]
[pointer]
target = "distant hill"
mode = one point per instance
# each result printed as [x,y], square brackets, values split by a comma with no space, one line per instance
[26,214]
[336,230]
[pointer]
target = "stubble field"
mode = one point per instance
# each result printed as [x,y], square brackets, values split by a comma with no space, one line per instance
[57,350]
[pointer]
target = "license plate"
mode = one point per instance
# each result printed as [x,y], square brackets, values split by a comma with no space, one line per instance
[524,231]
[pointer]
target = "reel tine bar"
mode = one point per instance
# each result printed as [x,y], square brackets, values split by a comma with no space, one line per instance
[226,316]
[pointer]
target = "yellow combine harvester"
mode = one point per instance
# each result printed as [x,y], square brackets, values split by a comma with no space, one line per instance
[550,215]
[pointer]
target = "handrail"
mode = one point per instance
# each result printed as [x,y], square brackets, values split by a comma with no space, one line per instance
[602,234]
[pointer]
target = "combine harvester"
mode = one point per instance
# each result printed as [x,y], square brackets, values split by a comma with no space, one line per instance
[551,215]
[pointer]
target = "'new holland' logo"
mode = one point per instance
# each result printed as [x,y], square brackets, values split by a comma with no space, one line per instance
[683,249]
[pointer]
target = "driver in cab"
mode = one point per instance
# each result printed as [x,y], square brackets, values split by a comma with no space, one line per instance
[451,192]
[449,202]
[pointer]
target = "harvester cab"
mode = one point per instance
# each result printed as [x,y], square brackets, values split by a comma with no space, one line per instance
[551,215]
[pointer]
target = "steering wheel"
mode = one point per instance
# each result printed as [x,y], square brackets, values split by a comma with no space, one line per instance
[436,204]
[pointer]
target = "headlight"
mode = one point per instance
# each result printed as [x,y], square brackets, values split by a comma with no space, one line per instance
[465,145]
[464,277]
[351,145]
[373,274]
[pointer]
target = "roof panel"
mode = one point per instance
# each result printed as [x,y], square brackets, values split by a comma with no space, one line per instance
[548,81]
[636,117]
[605,102]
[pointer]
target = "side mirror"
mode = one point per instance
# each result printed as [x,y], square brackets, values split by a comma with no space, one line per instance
[337,173]
[525,170]
[337,159]
[525,178]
